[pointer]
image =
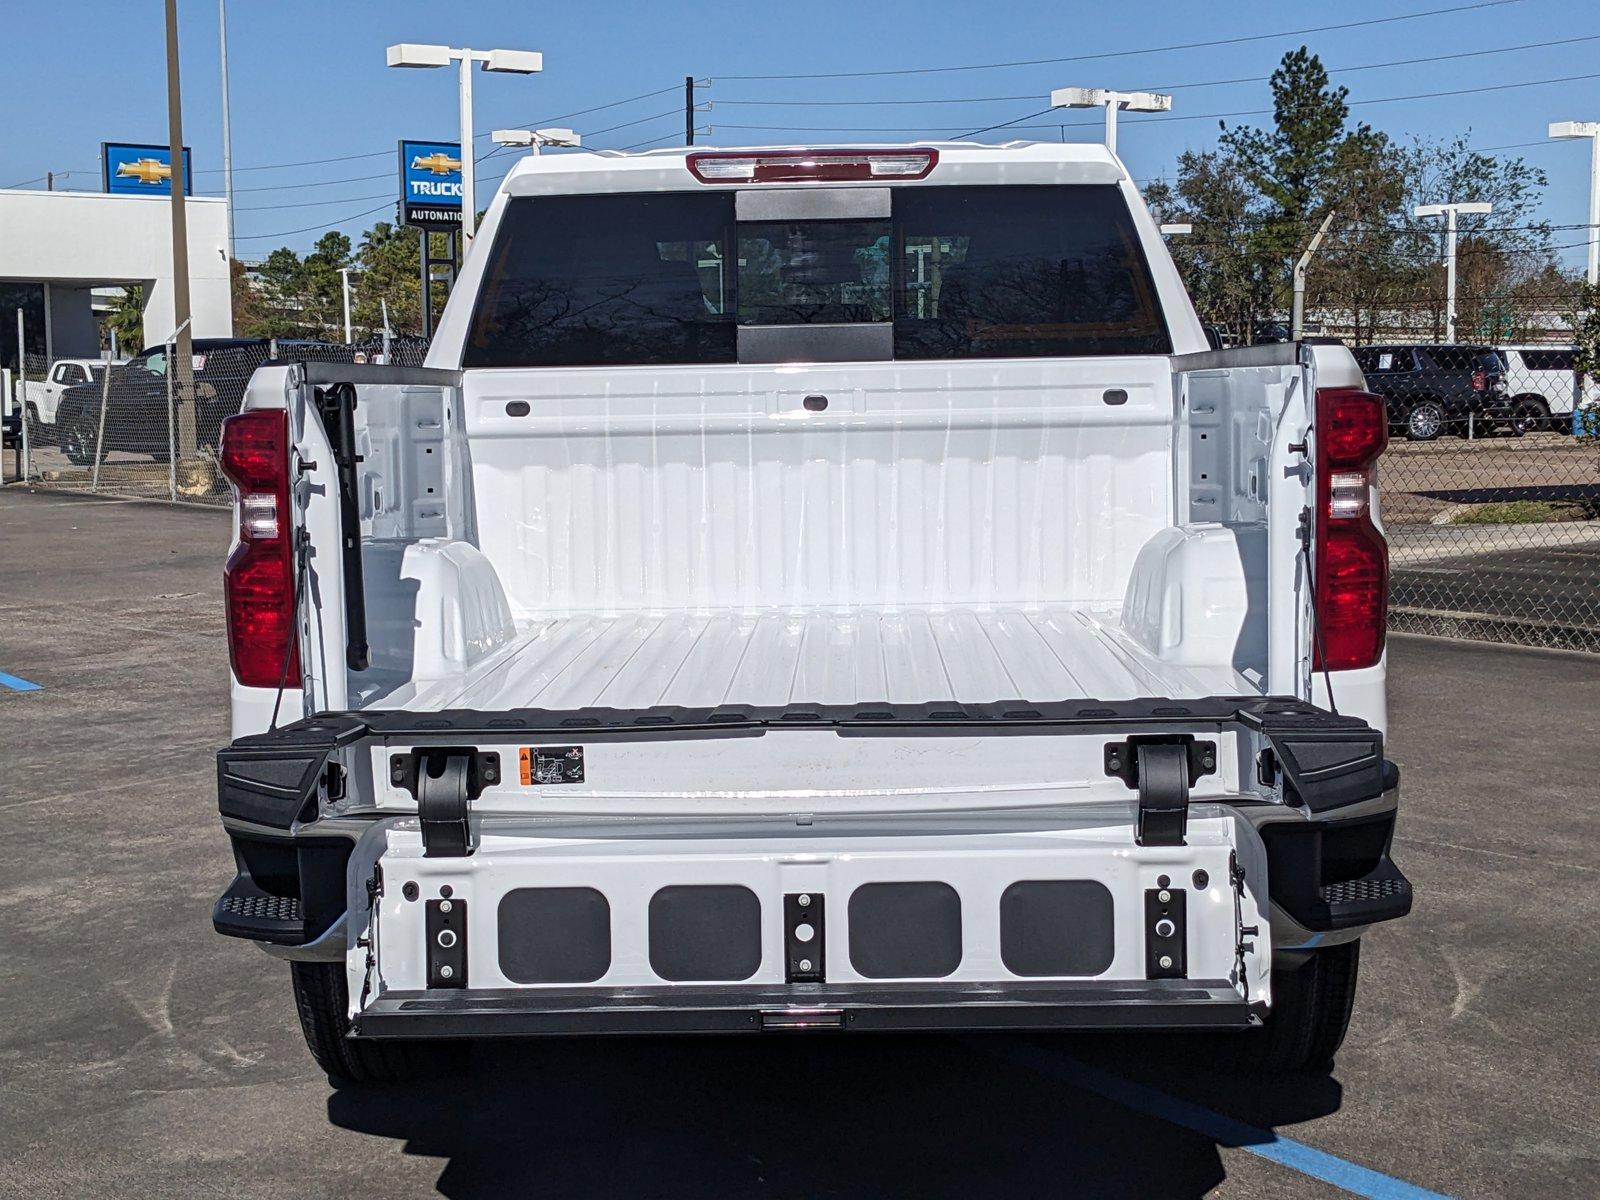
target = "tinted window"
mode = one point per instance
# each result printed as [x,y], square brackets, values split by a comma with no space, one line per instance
[1384,358]
[801,272]
[961,271]
[607,280]
[1463,358]
[1009,271]
[1549,360]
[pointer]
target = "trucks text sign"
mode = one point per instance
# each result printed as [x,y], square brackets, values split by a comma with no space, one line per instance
[430,184]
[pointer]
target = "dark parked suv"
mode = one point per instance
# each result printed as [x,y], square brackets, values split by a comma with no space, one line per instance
[1429,389]
[136,402]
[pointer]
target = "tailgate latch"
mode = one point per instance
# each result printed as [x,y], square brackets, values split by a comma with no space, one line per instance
[444,783]
[1162,768]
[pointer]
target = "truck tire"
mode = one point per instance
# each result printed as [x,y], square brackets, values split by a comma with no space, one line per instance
[322,1000]
[1529,414]
[1424,421]
[1310,1012]
[79,443]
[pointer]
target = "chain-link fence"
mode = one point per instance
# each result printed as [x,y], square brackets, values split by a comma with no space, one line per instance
[1491,491]
[148,426]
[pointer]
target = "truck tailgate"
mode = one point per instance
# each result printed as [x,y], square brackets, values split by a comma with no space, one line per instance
[690,926]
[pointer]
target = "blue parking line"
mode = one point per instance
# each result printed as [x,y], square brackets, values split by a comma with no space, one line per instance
[1225,1131]
[18,685]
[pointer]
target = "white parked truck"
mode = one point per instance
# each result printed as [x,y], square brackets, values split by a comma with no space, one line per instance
[811,590]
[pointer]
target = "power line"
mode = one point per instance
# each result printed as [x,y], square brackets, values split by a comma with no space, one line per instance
[1233,41]
[1160,87]
[317,162]
[313,203]
[327,226]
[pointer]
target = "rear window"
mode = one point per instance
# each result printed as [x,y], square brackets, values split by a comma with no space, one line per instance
[957,272]
[1464,358]
[1383,358]
[1549,360]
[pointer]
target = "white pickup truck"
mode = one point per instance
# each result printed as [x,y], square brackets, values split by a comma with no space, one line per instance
[811,591]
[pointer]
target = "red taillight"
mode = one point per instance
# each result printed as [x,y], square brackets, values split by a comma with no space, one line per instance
[1480,380]
[802,166]
[259,578]
[1352,558]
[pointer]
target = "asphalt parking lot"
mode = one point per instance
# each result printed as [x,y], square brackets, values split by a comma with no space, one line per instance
[141,1054]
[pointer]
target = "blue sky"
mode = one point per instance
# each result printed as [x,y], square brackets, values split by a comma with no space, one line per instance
[309,82]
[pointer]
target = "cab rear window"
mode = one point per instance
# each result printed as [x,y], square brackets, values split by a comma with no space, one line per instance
[955,272]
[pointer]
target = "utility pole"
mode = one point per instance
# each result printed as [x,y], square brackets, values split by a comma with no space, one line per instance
[184,352]
[227,127]
[1297,324]
[1449,213]
[688,110]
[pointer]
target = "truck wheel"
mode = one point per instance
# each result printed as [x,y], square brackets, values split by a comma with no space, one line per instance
[1424,421]
[79,444]
[322,999]
[1529,416]
[1310,1012]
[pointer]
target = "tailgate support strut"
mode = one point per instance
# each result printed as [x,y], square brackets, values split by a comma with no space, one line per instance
[336,405]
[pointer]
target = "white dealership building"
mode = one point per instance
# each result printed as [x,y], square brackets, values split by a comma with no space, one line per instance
[56,247]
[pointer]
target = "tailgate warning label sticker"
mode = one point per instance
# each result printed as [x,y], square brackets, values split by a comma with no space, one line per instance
[551,764]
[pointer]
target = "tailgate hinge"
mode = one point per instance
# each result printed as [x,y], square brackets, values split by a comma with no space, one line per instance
[444,783]
[1162,769]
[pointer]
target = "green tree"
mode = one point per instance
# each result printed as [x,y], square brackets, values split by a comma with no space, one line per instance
[390,264]
[1501,256]
[126,319]
[1298,165]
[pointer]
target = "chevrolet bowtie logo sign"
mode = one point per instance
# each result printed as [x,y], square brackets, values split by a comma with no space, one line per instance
[145,170]
[430,184]
[141,169]
[437,163]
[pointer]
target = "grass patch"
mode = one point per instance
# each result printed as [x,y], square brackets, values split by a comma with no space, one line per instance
[1523,512]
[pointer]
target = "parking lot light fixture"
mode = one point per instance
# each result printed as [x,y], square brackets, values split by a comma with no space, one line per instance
[511,62]
[1590,130]
[1449,212]
[1112,102]
[535,138]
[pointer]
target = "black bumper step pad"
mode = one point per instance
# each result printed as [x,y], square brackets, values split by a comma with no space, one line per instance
[244,910]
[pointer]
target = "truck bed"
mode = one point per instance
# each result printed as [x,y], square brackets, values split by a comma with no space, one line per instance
[816,656]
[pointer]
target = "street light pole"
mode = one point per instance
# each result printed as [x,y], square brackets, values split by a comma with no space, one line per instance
[513,62]
[1449,213]
[1302,264]
[1590,130]
[469,166]
[1112,102]
[534,139]
[344,276]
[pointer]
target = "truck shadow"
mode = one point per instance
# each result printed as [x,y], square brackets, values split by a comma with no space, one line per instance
[984,1115]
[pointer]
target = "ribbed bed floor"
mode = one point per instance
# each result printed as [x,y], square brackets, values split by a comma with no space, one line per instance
[704,659]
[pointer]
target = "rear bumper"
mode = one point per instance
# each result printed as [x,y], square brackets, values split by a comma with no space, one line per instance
[1090,1004]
